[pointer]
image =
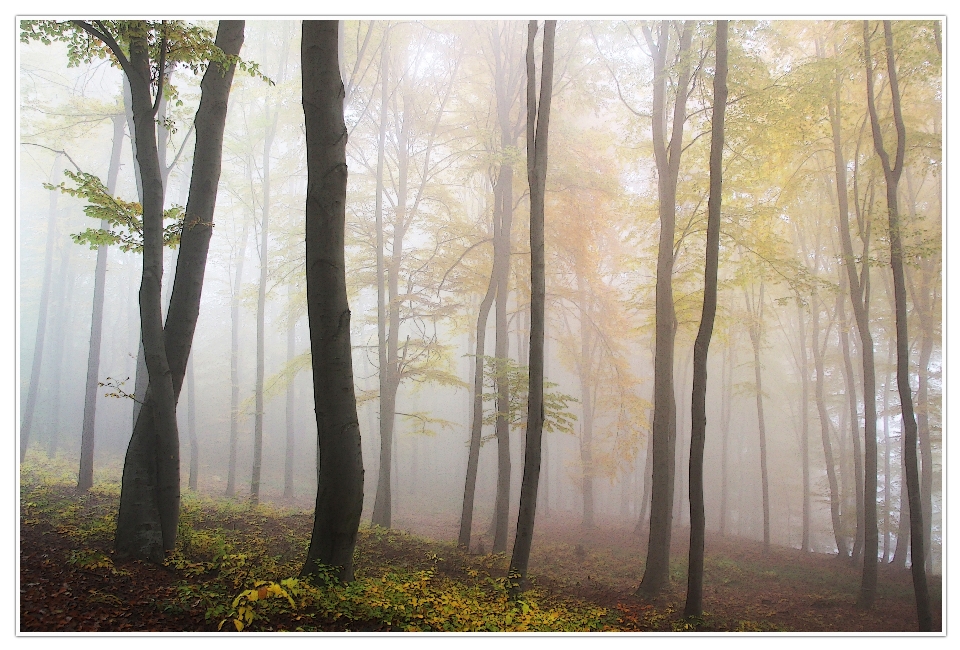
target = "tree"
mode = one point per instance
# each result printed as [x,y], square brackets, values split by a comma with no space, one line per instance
[891,174]
[667,153]
[340,472]
[538,124]
[698,414]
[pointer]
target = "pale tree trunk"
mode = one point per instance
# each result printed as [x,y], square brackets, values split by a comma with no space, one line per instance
[340,474]
[886,457]
[538,122]
[235,362]
[667,154]
[64,289]
[825,428]
[698,401]
[804,426]
[891,175]
[261,311]
[87,436]
[587,398]
[851,390]
[31,401]
[290,411]
[756,336]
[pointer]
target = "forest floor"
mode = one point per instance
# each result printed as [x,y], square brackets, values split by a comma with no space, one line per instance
[235,568]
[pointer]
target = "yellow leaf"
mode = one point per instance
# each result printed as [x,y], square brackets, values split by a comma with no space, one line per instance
[253,595]
[238,624]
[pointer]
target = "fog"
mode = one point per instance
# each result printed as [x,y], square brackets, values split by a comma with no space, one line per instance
[780,270]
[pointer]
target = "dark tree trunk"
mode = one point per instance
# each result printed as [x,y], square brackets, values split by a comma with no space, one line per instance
[476,426]
[31,401]
[340,474]
[891,175]
[698,409]
[85,481]
[150,491]
[657,567]
[192,428]
[538,122]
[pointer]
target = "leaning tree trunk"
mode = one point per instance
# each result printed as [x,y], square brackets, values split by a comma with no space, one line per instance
[150,490]
[891,175]
[31,402]
[698,401]
[85,480]
[657,567]
[340,474]
[538,122]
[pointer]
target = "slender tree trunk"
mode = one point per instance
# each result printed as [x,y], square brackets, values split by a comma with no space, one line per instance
[886,457]
[29,407]
[698,401]
[476,427]
[804,427]
[64,289]
[657,567]
[340,476]
[851,390]
[538,122]
[584,366]
[235,363]
[290,412]
[892,177]
[261,310]
[381,514]
[755,338]
[825,427]
[726,407]
[85,481]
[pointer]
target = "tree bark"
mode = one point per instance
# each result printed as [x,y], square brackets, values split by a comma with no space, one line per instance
[538,122]
[701,347]
[149,511]
[891,175]
[657,567]
[192,428]
[340,474]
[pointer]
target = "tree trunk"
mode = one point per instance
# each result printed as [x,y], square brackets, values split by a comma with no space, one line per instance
[891,175]
[31,401]
[290,412]
[192,428]
[886,457]
[805,544]
[85,480]
[726,407]
[825,427]
[755,339]
[698,401]
[261,311]
[340,474]
[851,390]
[235,363]
[63,291]
[150,490]
[657,567]
[538,122]
[584,367]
